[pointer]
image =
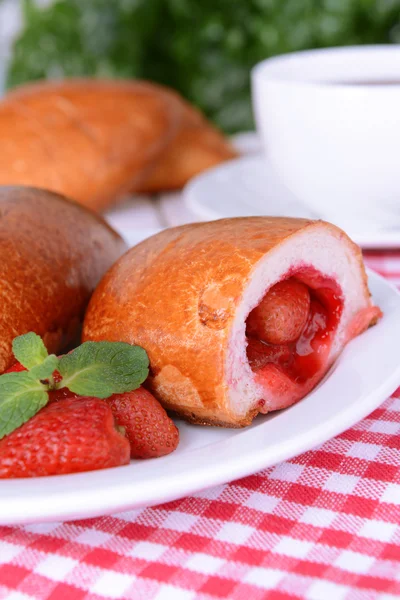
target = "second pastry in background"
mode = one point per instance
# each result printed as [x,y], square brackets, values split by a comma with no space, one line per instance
[95,140]
[197,146]
[90,140]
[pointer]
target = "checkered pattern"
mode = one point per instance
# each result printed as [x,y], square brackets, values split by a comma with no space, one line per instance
[323,526]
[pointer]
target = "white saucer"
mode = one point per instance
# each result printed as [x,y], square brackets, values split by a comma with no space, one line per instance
[366,373]
[248,186]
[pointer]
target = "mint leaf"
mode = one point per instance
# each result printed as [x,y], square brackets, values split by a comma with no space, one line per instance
[46,369]
[101,369]
[29,349]
[21,397]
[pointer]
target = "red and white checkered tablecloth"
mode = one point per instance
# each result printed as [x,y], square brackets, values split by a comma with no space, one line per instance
[323,526]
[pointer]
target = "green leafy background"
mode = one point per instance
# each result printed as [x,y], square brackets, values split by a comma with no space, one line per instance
[203,48]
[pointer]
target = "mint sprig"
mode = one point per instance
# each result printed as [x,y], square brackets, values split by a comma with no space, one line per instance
[21,397]
[29,349]
[46,369]
[101,369]
[97,369]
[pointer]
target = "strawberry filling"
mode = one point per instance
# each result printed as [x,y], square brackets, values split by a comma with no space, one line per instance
[290,333]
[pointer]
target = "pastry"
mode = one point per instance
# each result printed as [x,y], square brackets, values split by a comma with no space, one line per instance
[53,252]
[91,140]
[238,316]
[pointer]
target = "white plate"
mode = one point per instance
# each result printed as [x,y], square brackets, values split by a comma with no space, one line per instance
[248,186]
[367,372]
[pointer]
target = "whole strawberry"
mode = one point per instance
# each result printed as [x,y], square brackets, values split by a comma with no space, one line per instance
[69,436]
[282,314]
[148,428]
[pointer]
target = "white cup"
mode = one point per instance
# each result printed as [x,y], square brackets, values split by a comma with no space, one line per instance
[330,124]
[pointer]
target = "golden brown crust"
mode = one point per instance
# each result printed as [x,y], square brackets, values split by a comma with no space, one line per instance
[197,146]
[176,295]
[52,254]
[213,420]
[91,140]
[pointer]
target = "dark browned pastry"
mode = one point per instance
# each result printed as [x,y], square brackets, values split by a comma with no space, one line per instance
[53,252]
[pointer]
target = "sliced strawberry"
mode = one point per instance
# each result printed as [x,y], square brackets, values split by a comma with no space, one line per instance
[282,313]
[64,437]
[148,428]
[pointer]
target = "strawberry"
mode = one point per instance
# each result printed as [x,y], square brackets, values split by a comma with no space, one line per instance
[61,393]
[282,313]
[70,436]
[54,395]
[16,368]
[260,354]
[47,431]
[147,426]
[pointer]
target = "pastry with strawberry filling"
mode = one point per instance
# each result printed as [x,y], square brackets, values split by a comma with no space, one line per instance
[238,316]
